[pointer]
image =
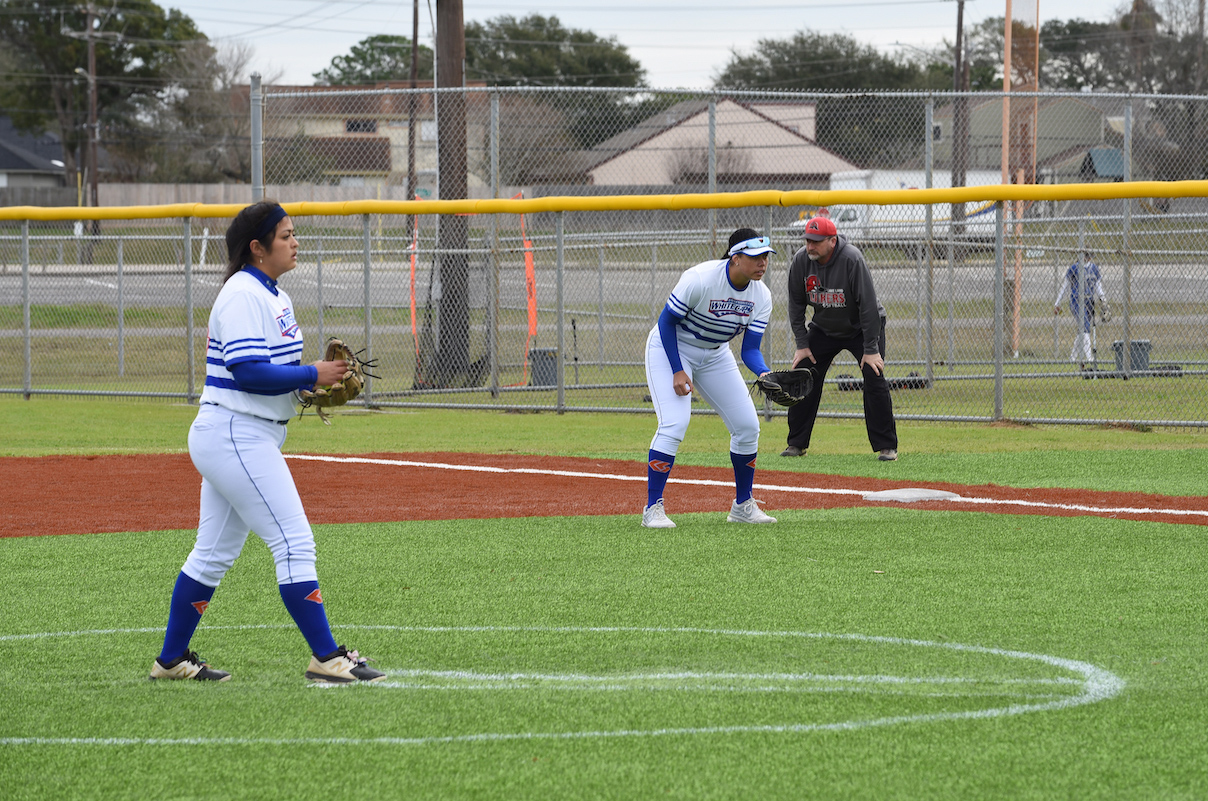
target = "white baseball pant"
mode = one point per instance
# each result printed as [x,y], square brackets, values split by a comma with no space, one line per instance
[714,374]
[246,486]
[1081,352]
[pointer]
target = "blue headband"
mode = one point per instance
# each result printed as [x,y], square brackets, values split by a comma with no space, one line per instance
[269,223]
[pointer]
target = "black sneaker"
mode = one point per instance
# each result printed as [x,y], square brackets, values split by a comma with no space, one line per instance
[341,666]
[187,666]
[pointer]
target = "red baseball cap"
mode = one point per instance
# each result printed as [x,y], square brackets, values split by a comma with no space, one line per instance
[819,228]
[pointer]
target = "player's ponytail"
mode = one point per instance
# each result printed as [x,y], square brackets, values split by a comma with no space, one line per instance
[244,229]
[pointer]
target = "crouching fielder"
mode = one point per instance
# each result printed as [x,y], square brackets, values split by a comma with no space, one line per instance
[713,303]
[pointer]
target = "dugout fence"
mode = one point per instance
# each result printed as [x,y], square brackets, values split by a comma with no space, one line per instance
[546,309]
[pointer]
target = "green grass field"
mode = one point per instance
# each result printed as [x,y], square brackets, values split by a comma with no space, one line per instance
[852,653]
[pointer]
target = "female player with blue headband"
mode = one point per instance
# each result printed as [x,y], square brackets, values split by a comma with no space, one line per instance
[253,372]
[713,303]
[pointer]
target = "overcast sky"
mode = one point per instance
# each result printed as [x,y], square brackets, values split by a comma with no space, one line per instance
[679,43]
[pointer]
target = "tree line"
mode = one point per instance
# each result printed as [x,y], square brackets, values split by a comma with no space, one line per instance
[174,106]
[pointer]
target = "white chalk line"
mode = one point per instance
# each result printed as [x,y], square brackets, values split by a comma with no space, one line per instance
[1069,507]
[587,680]
[1097,685]
[710,682]
[720,689]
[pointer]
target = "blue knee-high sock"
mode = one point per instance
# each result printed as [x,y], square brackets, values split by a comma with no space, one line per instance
[305,605]
[189,600]
[658,470]
[744,475]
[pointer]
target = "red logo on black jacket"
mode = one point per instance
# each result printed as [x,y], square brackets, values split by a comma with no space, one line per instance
[826,298]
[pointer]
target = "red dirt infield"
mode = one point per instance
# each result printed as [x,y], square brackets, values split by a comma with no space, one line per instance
[93,494]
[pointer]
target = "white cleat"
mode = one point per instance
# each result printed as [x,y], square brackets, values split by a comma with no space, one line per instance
[748,512]
[656,517]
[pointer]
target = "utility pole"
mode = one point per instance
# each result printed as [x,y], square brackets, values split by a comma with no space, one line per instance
[93,132]
[90,35]
[453,358]
[1006,97]
[960,120]
[412,101]
[1199,48]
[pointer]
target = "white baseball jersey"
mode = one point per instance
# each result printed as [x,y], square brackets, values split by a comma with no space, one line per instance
[714,311]
[248,322]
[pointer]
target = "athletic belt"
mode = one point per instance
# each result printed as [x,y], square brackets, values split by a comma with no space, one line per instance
[258,417]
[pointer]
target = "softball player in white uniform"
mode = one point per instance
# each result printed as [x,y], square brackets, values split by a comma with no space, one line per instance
[253,371]
[713,303]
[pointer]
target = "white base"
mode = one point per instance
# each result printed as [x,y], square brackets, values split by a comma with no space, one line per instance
[911,494]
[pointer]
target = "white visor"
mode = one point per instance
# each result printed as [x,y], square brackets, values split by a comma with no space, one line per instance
[753,247]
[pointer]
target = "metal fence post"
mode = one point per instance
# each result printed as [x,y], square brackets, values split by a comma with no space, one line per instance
[319,282]
[712,170]
[121,311]
[999,266]
[1126,246]
[765,343]
[561,364]
[257,134]
[365,272]
[951,297]
[187,249]
[929,158]
[600,299]
[655,309]
[27,375]
[493,303]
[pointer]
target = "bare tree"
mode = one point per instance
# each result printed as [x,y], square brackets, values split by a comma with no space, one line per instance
[210,111]
[197,128]
[535,143]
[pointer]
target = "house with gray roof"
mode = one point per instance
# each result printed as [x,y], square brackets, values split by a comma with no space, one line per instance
[29,161]
[764,143]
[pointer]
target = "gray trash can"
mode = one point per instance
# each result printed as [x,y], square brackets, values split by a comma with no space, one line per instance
[1138,351]
[543,363]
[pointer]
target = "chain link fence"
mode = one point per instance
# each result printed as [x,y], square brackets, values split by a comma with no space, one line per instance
[549,310]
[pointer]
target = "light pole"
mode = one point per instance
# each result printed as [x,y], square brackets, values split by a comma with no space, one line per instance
[90,75]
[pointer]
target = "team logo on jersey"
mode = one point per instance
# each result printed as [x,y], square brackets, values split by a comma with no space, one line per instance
[731,307]
[660,466]
[811,283]
[315,596]
[287,323]
[201,606]
[828,298]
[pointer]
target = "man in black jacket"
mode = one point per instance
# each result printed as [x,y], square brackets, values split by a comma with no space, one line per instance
[830,275]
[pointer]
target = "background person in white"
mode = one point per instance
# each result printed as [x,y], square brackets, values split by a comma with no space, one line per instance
[712,303]
[253,372]
[1085,285]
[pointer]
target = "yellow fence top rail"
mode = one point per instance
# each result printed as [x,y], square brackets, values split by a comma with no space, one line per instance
[718,200]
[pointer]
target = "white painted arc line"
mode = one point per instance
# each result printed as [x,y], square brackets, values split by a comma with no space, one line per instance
[798,677]
[1069,507]
[720,688]
[1099,685]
